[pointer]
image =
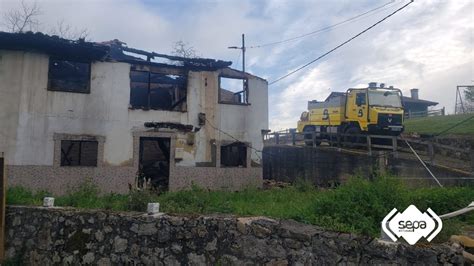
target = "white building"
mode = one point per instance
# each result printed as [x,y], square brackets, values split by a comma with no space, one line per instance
[72,110]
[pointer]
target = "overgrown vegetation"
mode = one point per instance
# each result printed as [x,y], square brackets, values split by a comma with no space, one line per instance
[358,206]
[437,124]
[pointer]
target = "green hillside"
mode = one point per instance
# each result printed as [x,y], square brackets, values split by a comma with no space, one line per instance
[437,124]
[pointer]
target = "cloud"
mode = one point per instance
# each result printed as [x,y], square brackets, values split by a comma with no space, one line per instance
[426,47]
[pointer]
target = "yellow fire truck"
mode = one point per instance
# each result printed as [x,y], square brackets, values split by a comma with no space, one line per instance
[374,110]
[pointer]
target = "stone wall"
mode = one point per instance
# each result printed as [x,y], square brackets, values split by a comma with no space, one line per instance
[39,236]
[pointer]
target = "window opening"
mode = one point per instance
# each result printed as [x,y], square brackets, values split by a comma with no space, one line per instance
[233,90]
[79,153]
[69,76]
[157,91]
[234,155]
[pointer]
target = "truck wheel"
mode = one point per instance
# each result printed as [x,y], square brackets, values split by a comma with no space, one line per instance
[308,136]
[351,137]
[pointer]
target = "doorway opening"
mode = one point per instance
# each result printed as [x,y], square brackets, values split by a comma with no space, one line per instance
[154,163]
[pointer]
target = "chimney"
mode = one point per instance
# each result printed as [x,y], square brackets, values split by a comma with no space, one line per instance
[414,94]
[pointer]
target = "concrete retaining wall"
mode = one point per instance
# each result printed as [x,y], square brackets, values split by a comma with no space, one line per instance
[326,166]
[38,236]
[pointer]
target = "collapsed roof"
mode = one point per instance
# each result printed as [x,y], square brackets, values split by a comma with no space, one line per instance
[105,51]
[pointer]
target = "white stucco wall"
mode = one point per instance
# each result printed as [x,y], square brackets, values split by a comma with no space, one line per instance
[245,122]
[30,114]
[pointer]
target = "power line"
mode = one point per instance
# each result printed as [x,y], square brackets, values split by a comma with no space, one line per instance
[234,138]
[271,154]
[324,28]
[342,44]
[455,125]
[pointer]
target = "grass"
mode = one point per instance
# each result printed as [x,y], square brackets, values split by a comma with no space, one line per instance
[358,206]
[437,124]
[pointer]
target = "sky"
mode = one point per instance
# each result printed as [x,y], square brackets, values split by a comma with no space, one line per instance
[428,45]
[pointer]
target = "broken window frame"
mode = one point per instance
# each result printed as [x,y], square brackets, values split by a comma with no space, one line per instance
[244,162]
[181,102]
[51,87]
[65,160]
[244,91]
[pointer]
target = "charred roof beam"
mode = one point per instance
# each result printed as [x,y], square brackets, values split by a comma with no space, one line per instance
[193,62]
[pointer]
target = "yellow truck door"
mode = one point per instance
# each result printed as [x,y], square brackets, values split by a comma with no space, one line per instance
[356,107]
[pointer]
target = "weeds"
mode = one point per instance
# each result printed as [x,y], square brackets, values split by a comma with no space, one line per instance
[138,200]
[23,196]
[357,206]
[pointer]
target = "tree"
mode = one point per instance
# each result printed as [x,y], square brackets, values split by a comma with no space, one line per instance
[184,50]
[23,19]
[64,30]
[27,18]
[469,94]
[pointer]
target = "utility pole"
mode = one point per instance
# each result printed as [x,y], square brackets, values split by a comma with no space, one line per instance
[243,51]
[244,82]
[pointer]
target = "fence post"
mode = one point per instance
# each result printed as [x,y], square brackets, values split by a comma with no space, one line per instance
[409,114]
[472,164]
[431,152]
[3,191]
[293,137]
[395,146]
[369,145]
[443,111]
[277,138]
[382,162]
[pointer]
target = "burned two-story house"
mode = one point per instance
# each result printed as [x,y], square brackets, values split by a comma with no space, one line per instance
[72,111]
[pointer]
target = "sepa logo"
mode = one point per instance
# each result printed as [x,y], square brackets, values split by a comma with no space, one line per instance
[412,224]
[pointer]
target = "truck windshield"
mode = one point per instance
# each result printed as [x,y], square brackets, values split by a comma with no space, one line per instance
[385,98]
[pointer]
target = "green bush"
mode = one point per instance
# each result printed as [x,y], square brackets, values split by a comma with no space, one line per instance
[360,205]
[86,195]
[442,200]
[303,185]
[138,200]
[114,202]
[23,196]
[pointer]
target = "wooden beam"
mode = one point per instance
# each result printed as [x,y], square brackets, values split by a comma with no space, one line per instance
[179,71]
[3,198]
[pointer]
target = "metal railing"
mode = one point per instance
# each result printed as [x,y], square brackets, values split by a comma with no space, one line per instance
[427,148]
[333,139]
[437,112]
